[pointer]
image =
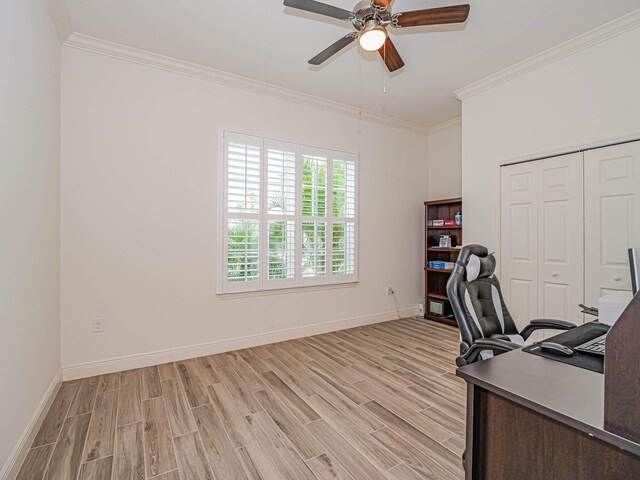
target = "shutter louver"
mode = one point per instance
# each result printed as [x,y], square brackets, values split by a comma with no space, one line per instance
[281,181]
[314,249]
[282,260]
[243,247]
[243,178]
[344,248]
[344,188]
[314,186]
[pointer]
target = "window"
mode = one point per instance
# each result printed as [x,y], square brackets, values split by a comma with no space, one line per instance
[289,215]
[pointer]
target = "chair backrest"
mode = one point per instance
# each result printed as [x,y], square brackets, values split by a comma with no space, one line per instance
[476,298]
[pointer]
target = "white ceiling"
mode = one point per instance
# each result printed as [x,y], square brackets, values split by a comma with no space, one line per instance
[263,40]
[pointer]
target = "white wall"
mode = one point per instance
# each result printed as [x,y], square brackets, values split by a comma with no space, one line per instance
[445,160]
[29,209]
[139,193]
[588,97]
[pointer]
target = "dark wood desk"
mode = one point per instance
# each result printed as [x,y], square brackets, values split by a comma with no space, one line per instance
[529,417]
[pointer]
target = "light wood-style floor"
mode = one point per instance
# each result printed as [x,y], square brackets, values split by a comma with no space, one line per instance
[375,402]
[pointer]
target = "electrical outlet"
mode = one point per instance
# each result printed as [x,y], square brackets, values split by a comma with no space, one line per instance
[390,290]
[98,325]
[420,309]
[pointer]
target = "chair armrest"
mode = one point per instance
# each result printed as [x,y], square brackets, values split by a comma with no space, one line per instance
[483,344]
[545,324]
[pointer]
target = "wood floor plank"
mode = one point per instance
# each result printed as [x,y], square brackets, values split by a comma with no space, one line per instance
[180,416]
[67,454]
[456,444]
[158,445]
[174,475]
[223,459]
[253,360]
[128,459]
[404,472]
[454,424]
[248,464]
[151,387]
[239,389]
[218,361]
[251,379]
[420,461]
[130,398]
[192,459]
[86,395]
[428,426]
[110,381]
[351,431]
[346,406]
[438,401]
[430,447]
[295,364]
[52,424]
[275,447]
[288,376]
[307,446]
[102,427]
[325,468]
[291,399]
[167,371]
[206,371]
[192,384]
[35,463]
[232,413]
[97,469]
[343,452]
[339,384]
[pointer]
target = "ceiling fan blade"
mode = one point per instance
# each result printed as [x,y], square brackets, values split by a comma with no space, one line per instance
[381,4]
[319,7]
[431,16]
[390,55]
[333,49]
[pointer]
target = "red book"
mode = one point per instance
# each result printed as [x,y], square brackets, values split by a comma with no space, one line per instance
[449,223]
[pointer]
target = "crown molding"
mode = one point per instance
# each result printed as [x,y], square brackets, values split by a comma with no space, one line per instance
[115,50]
[593,37]
[60,17]
[438,127]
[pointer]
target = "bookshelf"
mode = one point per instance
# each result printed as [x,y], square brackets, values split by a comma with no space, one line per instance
[435,280]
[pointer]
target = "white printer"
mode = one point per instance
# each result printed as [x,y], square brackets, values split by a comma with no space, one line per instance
[611,306]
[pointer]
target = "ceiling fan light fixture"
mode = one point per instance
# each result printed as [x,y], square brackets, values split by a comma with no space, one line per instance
[372,37]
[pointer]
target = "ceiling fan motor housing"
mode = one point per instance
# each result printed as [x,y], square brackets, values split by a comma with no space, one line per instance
[364,13]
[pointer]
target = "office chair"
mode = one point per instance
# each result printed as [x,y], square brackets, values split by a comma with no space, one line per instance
[486,326]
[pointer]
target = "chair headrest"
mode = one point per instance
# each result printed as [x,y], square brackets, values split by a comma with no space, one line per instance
[478,267]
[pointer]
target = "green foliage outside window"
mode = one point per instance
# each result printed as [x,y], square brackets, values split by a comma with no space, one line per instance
[243,234]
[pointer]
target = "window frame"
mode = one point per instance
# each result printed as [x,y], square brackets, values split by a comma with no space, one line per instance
[264,284]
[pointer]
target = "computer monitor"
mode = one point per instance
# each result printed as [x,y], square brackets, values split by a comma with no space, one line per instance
[634,266]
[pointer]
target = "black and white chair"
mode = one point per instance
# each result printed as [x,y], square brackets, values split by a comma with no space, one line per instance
[486,326]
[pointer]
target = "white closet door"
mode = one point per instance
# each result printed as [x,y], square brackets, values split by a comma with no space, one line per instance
[560,233]
[612,208]
[519,240]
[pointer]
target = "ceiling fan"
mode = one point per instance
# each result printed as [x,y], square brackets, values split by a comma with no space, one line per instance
[371,18]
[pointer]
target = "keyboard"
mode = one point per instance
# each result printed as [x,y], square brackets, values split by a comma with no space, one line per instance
[595,346]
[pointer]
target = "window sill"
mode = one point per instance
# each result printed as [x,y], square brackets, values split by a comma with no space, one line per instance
[283,291]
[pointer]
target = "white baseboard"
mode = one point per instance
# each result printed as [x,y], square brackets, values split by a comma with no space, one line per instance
[101,367]
[14,462]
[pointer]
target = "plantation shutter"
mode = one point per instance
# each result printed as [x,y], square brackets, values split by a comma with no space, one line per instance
[288,215]
[343,229]
[313,228]
[242,202]
[280,232]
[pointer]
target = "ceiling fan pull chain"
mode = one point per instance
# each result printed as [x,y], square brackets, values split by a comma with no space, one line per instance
[384,77]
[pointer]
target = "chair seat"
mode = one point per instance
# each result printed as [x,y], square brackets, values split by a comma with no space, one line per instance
[511,338]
